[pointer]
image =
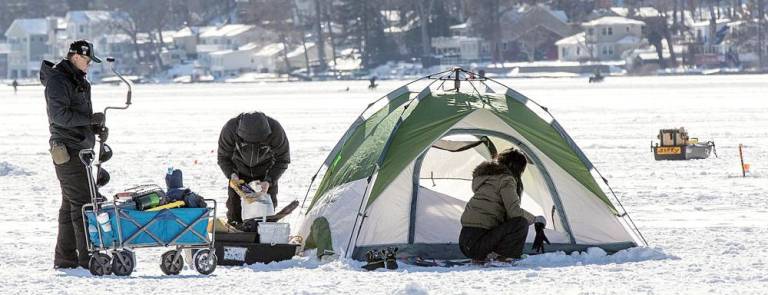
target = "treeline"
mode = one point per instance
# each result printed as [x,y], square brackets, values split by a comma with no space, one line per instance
[370,27]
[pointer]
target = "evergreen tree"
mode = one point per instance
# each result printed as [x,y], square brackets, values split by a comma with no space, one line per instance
[364,29]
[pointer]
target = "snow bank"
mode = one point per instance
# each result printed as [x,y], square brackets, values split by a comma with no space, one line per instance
[595,256]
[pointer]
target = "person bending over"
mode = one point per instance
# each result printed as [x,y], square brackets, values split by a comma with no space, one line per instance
[252,146]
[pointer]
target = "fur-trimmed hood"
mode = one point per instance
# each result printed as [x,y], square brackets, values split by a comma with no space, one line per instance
[489,172]
[490,168]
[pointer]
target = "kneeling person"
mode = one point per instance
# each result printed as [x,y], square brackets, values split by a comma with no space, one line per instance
[252,146]
[493,220]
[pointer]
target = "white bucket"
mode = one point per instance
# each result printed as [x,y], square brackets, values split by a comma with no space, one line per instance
[274,232]
[257,207]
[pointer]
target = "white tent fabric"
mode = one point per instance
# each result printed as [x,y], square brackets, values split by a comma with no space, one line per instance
[590,220]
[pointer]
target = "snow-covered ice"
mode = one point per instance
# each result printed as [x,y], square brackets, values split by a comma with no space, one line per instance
[706,224]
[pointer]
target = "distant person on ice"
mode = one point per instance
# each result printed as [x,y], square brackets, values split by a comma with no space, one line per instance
[15,85]
[252,146]
[73,127]
[493,220]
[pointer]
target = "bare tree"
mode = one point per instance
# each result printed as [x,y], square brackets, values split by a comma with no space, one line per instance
[424,8]
[486,21]
[320,42]
[143,17]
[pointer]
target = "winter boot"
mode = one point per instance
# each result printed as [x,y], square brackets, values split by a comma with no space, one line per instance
[390,260]
[375,261]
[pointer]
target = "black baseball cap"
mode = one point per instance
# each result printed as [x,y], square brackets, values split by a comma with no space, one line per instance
[84,47]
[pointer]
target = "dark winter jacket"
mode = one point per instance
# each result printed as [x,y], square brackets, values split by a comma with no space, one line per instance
[496,198]
[254,146]
[68,100]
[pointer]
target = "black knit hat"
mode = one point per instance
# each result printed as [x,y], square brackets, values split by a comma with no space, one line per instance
[84,47]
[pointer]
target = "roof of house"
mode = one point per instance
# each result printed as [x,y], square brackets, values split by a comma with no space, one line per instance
[270,49]
[647,11]
[190,31]
[89,15]
[528,18]
[33,26]
[250,46]
[576,39]
[706,22]
[226,31]
[221,52]
[299,50]
[612,20]
[117,38]
[460,26]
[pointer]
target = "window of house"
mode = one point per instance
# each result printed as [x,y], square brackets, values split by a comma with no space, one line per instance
[610,31]
[590,31]
[607,50]
[627,29]
[578,50]
[603,31]
[81,28]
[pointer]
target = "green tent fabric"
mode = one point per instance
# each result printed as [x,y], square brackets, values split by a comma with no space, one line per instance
[320,237]
[424,120]
[358,155]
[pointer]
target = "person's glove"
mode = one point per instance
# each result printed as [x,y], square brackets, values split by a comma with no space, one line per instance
[235,181]
[102,132]
[98,119]
[539,223]
[264,186]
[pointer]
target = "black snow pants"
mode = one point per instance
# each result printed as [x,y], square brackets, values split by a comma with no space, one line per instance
[71,249]
[507,239]
[234,209]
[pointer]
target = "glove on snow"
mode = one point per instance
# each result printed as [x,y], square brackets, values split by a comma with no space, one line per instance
[538,242]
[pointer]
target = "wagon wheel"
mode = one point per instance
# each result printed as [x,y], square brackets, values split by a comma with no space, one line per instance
[171,262]
[99,264]
[123,262]
[205,261]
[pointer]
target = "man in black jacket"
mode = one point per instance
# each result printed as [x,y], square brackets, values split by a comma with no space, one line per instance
[73,127]
[252,146]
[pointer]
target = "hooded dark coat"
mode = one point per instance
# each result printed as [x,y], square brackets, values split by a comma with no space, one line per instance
[496,198]
[254,146]
[68,100]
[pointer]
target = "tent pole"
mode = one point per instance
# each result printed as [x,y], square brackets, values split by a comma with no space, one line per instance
[622,207]
[368,187]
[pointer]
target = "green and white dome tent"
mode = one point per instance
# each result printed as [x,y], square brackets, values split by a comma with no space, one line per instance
[401,175]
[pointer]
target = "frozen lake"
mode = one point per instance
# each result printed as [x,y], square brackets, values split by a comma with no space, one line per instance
[705,223]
